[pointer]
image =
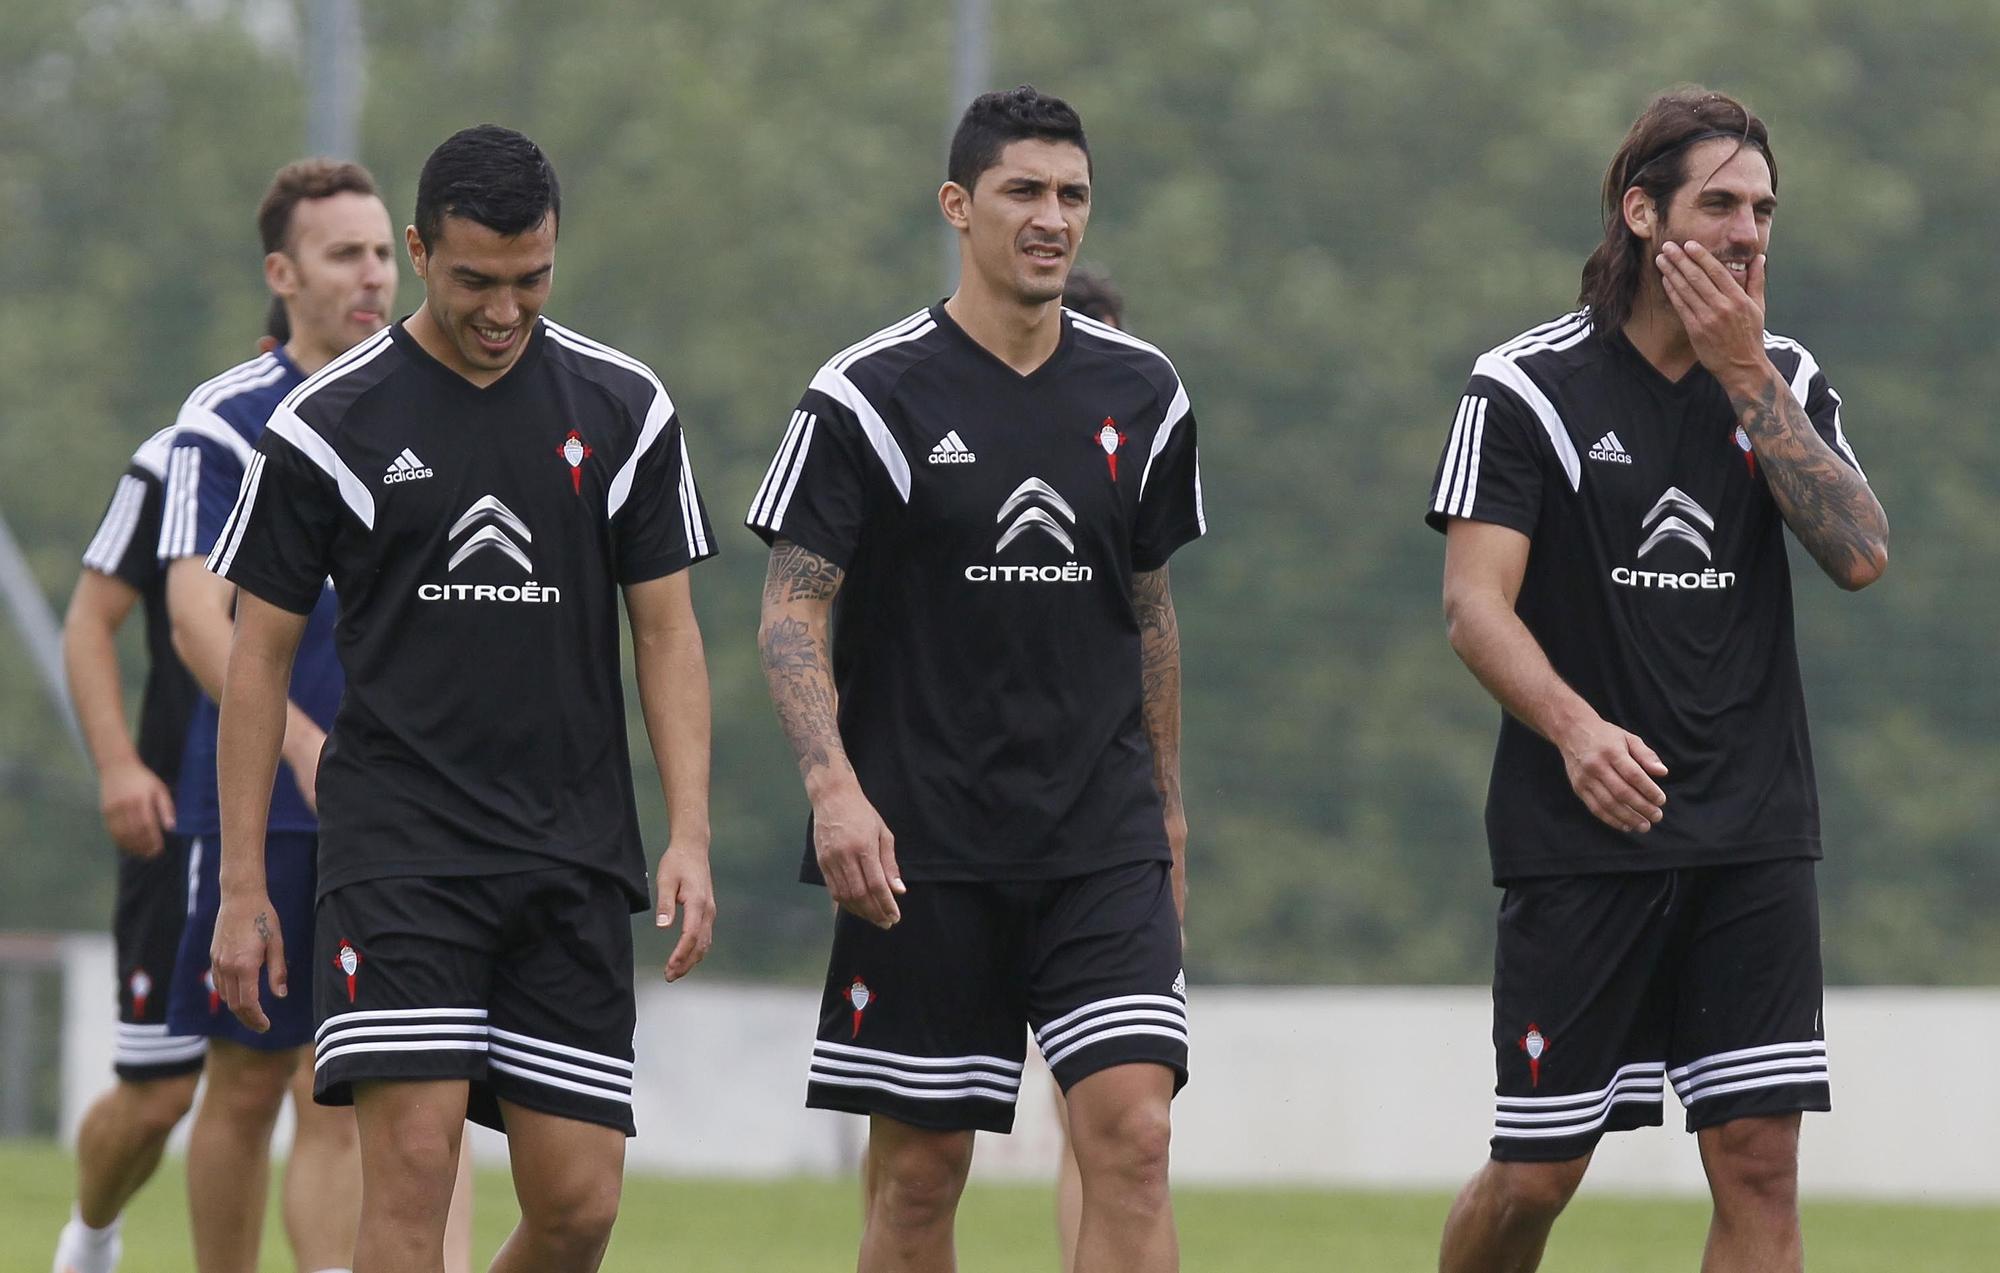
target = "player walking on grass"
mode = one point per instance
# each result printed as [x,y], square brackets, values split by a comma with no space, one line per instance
[969,636]
[1614,496]
[480,484]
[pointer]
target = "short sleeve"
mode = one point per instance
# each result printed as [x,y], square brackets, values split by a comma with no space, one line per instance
[660,525]
[1170,508]
[127,539]
[1491,470]
[277,541]
[1822,406]
[815,492]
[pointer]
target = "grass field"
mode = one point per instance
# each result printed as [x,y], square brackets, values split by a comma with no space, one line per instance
[809,1226]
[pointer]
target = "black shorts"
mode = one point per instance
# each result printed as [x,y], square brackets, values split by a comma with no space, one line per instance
[926,1022]
[1607,987]
[519,982]
[146,934]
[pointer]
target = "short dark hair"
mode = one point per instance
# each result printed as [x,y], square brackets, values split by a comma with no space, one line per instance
[1016,114]
[1091,292]
[488,174]
[297,182]
[278,323]
[1653,157]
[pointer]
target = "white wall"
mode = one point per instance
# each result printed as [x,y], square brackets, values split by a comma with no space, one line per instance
[1345,1086]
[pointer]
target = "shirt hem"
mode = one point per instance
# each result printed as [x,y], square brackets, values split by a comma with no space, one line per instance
[1628,863]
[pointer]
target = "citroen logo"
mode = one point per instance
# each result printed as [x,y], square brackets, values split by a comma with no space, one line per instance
[1034,505]
[498,529]
[1666,521]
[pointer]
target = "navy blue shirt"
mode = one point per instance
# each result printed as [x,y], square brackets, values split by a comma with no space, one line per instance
[214,437]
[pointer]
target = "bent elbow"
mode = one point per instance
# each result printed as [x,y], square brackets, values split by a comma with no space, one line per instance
[1868,569]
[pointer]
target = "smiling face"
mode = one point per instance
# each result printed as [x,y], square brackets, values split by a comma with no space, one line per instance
[483,291]
[336,274]
[1021,225]
[1726,205]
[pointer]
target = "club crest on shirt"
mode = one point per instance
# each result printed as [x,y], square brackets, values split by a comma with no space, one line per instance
[1743,445]
[1536,1045]
[575,451]
[348,960]
[1110,439]
[860,996]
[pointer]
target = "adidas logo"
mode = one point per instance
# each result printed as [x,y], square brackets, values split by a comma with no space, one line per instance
[1610,450]
[406,468]
[951,449]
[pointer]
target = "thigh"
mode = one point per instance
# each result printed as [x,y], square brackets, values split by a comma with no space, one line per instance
[1748,1037]
[924,1022]
[1105,985]
[405,965]
[1581,1011]
[561,1008]
[146,935]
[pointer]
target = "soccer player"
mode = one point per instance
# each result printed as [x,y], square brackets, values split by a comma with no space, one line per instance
[1614,496]
[480,483]
[970,640]
[124,1131]
[329,258]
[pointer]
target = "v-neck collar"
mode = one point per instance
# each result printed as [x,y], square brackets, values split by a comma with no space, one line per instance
[537,337]
[1693,379]
[1057,356]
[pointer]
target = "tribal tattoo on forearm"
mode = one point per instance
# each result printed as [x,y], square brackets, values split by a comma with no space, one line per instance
[798,589]
[1160,679]
[1826,503]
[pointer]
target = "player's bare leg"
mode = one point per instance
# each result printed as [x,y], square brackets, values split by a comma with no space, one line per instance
[410,1140]
[458,1223]
[1753,1176]
[1120,1124]
[1069,1189]
[322,1192]
[567,1177]
[1501,1221]
[915,1177]
[229,1153]
[121,1139]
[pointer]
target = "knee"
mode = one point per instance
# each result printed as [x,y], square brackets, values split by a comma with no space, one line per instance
[330,1129]
[158,1105]
[1130,1145]
[250,1089]
[576,1219]
[1533,1194]
[918,1186]
[1755,1161]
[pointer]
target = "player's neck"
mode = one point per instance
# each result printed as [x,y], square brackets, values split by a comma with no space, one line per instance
[1022,336]
[309,355]
[432,339]
[1655,330]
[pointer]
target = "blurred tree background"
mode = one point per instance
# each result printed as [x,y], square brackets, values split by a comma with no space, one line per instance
[1323,212]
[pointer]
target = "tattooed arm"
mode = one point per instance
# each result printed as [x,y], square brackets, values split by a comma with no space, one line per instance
[856,852]
[1160,681]
[1826,503]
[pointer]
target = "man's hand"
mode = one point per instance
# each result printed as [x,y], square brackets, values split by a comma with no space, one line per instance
[857,855]
[1724,318]
[684,881]
[247,941]
[1612,772]
[304,741]
[138,809]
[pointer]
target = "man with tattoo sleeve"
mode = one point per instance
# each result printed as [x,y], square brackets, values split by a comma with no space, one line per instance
[970,639]
[1614,496]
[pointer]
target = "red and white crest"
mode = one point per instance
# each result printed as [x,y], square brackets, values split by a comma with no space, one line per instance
[349,963]
[575,451]
[1110,439]
[141,985]
[1743,445]
[860,996]
[214,995]
[1536,1045]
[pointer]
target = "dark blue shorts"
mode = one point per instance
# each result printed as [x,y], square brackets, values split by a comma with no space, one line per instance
[291,874]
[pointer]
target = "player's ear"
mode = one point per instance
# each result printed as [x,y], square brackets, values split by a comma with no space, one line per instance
[1640,213]
[281,274]
[413,243]
[955,201]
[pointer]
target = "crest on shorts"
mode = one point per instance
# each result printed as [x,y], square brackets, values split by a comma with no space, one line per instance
[860,996]
[1536,1045]
[574,451]
[214,995]
[141,985]
[349,963]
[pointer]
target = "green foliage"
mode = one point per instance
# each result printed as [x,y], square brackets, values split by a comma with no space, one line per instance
[1323,212]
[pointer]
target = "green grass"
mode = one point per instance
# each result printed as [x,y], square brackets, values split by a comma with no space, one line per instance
[809,1226]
